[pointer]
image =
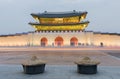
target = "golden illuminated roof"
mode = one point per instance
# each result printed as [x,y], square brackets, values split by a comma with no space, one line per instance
[59,27]
[60,21]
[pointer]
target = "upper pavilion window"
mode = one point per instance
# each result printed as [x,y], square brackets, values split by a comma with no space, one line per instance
[65,20]
[59,20]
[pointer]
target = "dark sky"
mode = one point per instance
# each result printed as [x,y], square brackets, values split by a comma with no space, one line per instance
[104,15]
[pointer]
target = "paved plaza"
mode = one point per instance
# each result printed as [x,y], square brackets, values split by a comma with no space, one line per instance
[59,56]
[58,72]
[60,62]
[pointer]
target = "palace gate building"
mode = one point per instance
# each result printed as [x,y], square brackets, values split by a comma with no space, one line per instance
[57,29]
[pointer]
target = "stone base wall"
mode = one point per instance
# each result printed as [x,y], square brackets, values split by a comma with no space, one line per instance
[83,39]
[107,39]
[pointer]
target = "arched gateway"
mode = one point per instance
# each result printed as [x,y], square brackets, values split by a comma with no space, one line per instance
[73,41]
[59,41]
[44,41]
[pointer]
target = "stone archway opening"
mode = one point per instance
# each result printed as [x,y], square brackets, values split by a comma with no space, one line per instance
[44,41]
[59,41]
[73,41]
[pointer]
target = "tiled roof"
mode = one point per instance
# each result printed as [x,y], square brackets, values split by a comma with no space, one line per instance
[58,14]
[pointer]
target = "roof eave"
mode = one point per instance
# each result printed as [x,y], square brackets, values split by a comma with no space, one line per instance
[43,15]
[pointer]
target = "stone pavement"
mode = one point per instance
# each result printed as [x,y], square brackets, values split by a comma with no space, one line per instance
[59,72]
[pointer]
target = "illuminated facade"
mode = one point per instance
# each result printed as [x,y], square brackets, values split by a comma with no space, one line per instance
[69,21]
[59,26]
[60,29]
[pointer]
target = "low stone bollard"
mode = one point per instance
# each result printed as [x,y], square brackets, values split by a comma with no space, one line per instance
[34,66]
[87,66]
